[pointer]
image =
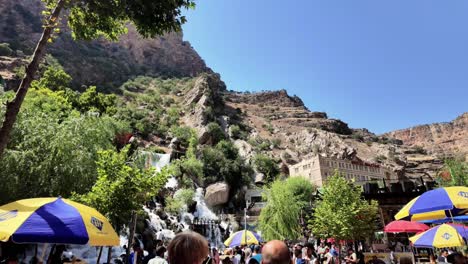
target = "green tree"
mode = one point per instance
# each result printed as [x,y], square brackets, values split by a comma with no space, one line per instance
[53,148]
[92,100]
[454,173]
[267,166]
[53,78]
[91,19]
[285,201]
[342,213]
[223,163]
[215,132]
[121,187]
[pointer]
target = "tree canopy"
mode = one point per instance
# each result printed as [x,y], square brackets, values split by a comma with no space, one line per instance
[343,213]
[454,173]
[285,200]
[121,187]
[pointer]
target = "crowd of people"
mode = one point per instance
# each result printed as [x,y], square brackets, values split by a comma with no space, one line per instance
[192,248]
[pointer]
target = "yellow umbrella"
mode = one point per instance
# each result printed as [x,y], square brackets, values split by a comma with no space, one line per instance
[436,204]
[441,236]
[56,221]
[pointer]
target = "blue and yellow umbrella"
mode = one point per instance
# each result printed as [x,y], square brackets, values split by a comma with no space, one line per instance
[442,236]
[244,237]
[436,204]
[55,220]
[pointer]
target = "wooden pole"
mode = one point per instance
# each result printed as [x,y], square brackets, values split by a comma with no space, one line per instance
[132,234]
[44,247]
[51,252]
[99,255]
[109,255]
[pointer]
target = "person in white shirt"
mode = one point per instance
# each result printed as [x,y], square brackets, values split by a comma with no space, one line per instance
[159,259]
[327,257]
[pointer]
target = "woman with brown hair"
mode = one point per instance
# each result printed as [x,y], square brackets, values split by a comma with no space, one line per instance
[187,248]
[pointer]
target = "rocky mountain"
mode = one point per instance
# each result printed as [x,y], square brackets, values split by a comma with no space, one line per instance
[280,126]
[98,62]
[443,139]
[273,122]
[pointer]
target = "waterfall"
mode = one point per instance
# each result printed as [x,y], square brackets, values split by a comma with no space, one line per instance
[156,160]
[203,212]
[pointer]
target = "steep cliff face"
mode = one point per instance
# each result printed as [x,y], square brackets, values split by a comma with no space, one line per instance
[443,139]
[100,62]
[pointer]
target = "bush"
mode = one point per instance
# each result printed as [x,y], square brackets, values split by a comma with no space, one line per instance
[237,132]
[380,158]
[5,49]
[183,133]
[276,142]
[53,78]
[267,166]
[420,150]
[216,133]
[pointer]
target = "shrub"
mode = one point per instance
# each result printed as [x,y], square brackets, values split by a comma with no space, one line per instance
[420,150]
[380,158]
[267,166]
[237,132]
[216,133]
[183,133]
[5,49]
[276,142]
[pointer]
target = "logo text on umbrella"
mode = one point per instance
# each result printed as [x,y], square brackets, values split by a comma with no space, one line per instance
[97,223]
[463,194]
[8,215]
[446,236]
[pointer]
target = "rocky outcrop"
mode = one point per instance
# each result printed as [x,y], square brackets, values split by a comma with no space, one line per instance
[283,111]
[217,194]
[205,103]
[442,139]
[100,62]
[275,98]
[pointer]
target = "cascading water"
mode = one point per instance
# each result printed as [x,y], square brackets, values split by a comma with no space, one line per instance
[203,212]
[156,160]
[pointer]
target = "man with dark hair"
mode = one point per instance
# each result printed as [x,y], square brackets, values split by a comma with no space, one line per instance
[159,259]
[352,257]
[456,258]
[443,256]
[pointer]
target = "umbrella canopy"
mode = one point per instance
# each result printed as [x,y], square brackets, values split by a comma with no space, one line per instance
[55,220]
[436,204]
[244,237]
[458,219]
[402,226]
[446,235]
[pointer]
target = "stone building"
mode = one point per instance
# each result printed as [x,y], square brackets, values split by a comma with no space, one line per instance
[317,169]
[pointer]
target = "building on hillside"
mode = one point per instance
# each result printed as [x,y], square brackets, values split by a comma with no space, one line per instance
[317,169]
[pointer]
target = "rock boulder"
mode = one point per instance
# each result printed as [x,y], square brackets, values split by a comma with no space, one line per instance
[217,194]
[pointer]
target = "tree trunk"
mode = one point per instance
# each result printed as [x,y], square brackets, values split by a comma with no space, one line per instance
[13,107]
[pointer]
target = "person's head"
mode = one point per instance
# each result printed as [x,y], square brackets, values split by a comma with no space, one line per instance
[406,260]
[350,251]
[456,258]
[257,249]
[160,251]
[297,253]
[248,252]
[187,248]
[444,253]
[275,252]
[298,246]
[136,246]
[327,250]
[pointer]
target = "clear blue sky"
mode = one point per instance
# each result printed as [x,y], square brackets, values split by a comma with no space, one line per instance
[378,64]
